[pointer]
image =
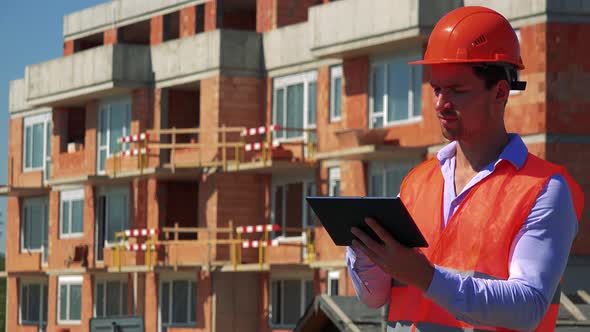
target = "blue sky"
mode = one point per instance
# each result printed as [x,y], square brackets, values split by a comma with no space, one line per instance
[31,32]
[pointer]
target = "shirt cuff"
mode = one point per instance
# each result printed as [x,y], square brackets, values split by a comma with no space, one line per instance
[444,286]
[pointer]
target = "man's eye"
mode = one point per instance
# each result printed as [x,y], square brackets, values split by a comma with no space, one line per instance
[436,91]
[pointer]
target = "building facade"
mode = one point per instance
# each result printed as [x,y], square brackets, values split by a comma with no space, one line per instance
[138,160]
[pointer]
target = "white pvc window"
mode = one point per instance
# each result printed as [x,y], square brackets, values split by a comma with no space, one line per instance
[113,203]
[114,121]
[71,213]
[289,299]
[69,300]
[335,93]
[288,206]
[33,303]
[294,104]
[333,283]
[178,303]
[386,177]
[395,91]
[34,224]
[110,299]
[334,181]
[37,142]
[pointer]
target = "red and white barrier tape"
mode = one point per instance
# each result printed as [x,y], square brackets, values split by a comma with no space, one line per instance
[134,138]
[135,152]
[256,244]
[258,145]
[258,228]
[260,130]
[142,247]
[142,232]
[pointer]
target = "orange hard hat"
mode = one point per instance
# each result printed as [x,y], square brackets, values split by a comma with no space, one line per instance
[473,35]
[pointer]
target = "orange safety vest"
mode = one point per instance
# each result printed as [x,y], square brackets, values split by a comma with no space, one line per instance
[477,238]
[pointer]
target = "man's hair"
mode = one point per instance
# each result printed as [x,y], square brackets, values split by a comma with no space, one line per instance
[492,74]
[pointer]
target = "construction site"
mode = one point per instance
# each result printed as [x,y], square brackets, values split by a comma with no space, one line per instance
[157,171]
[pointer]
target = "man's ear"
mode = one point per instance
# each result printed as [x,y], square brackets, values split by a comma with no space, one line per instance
[502,91]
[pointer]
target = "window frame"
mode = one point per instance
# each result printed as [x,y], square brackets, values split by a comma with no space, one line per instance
[381,168]
[70,196]
[333,276]
[335,73]
[284,183]
[416,72]
[30,121]
[333,178]
[123,288]
[107,105]
[44,289]
[107,193]
[192,282]
[34,202]
[68,281]
[302,298]
[282,83]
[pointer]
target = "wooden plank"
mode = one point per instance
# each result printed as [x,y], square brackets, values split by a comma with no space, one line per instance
[571,307]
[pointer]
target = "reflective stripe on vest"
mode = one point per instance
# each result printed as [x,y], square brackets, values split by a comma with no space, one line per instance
[477,237]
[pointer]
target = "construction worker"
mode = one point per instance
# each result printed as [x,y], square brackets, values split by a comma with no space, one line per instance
[499,221]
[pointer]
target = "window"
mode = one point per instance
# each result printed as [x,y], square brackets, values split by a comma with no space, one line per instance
[114,119]
[34,225]
[386,177]
[395,91]
[333,278]
[110,298]
[37,143]
[334,181]
[295,104]
[178,303]
[335,93]
[288,208]
[113,213]
[72,213]
[33,303]
[289,298]
[69,300]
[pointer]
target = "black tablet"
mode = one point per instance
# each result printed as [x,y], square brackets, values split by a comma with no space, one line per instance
[339,214]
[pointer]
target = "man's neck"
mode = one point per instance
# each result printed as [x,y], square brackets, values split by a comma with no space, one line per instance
[477,155]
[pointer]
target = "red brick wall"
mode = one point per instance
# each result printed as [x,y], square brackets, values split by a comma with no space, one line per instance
[187,21]
[68,47]
[355,101]
[211,8]
[292,11]
[156,30]
[265,15]
[110,36]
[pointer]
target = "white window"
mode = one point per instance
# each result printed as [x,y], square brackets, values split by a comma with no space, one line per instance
[178,303]
[289,298]
[295,104]
[72,213]
[113,212]
[114,120]
[69,300]
[334,181]
[37,143]
[333,279]
[308,214]
[386,177]
[33,303]
[34,225]
[110,298]
[335,93]
[395,91]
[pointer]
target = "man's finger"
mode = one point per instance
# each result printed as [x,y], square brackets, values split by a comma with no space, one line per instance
[359,246]
[381,232]
[366,240]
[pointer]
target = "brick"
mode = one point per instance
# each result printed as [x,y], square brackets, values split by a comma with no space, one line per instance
[211,8]
[111,36]
[156,30]
[68,47]
[187,21]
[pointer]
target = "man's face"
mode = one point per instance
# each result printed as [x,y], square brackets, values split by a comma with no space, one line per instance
[464,107]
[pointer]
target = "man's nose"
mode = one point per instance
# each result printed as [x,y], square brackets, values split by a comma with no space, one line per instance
[442,102]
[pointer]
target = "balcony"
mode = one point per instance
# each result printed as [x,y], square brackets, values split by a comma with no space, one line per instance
[91,74]
[345,28]
[221,51]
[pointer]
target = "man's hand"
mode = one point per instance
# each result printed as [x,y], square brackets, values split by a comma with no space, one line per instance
[406,265]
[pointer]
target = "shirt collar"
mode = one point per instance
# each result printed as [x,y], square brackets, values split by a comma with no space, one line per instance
[515,152]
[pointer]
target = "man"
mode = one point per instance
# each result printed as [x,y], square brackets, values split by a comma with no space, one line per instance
[499,221]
